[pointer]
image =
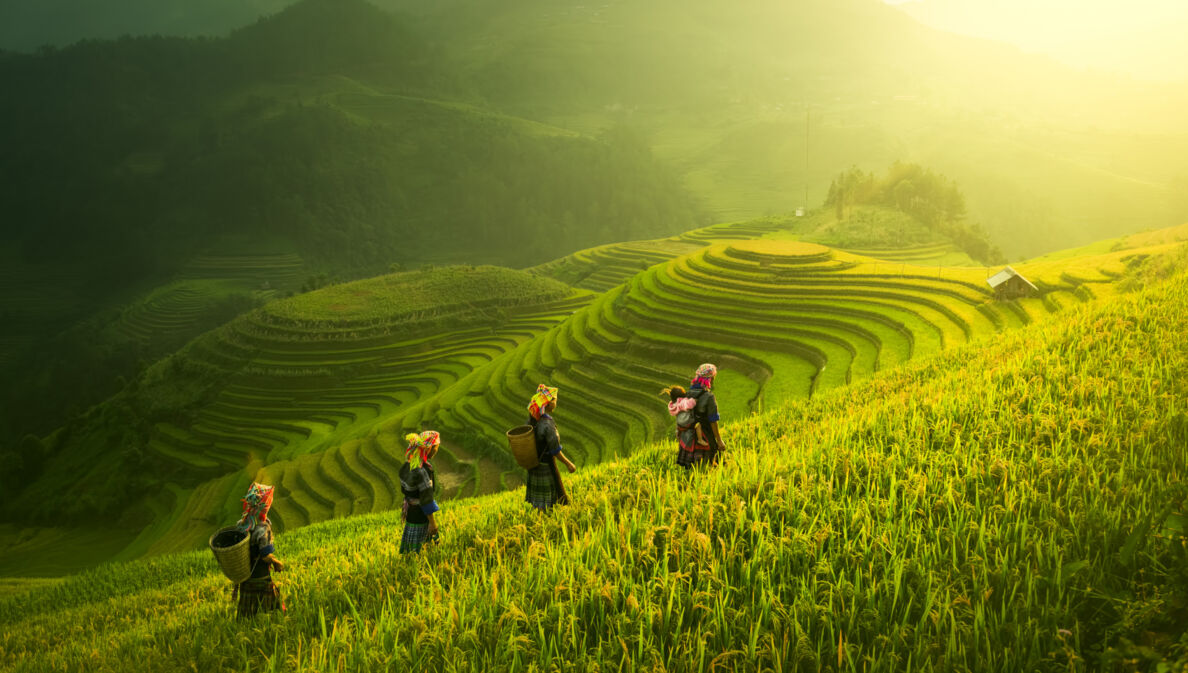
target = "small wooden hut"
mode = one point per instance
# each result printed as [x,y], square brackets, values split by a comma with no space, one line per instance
[1010,284]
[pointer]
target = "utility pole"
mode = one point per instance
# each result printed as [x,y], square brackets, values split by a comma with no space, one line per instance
[806,156]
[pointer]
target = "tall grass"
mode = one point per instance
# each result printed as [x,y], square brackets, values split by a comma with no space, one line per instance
[1016,506]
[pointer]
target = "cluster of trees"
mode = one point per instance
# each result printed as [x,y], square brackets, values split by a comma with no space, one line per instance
[930,198]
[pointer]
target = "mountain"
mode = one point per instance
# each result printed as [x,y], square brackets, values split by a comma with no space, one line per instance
[28,26]
[1049,155]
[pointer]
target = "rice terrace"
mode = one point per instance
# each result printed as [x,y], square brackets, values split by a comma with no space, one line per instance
[547,335]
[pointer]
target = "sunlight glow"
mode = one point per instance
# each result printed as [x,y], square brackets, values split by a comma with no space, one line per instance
[1143,38]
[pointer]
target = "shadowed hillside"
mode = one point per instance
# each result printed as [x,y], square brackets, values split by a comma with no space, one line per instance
[326,138]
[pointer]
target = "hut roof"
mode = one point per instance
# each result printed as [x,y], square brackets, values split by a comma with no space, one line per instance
[1007,274]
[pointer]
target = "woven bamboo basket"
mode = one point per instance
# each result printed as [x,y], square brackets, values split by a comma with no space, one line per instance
[522,439]
[230,547]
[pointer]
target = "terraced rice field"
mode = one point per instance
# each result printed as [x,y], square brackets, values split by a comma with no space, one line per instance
[994,508]
[304,394]
[324,386]
[782,319]
[30,297]
[275,272]
[602,268]
[940,253]
[175,311]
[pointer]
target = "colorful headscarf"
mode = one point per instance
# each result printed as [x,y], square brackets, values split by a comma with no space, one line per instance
[255,507]
[544,395]
[705,376]
[422,443]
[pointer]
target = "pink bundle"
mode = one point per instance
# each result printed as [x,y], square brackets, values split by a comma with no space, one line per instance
[683,404]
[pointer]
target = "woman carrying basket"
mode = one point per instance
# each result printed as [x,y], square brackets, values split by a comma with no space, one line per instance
[258,592]
[544,487]
[417,484]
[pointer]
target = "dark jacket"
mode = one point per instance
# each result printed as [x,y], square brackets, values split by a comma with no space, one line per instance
[418,486]
[259,546]
[706,413]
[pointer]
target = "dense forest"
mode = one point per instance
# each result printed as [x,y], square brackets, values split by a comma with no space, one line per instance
[181,141]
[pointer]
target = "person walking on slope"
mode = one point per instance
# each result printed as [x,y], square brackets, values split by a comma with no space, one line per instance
[258,592]
[544,488]
[417,484]
[705,414]
[689,436]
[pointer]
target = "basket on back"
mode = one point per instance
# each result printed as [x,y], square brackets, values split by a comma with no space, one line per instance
[522,439]
[230,547]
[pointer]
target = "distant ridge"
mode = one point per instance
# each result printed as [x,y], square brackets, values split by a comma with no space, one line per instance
[312,37]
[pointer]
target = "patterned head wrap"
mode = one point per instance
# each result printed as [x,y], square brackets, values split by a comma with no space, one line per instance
[421,443]
[544,395]
[255,507]
[705,376]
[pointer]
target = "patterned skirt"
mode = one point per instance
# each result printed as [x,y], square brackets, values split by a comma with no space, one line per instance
[544,489]
[699,457]
[258,595]
[416,535]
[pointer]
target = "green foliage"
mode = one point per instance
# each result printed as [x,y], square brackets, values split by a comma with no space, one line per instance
[933,200]
[1148,269]
[401,297]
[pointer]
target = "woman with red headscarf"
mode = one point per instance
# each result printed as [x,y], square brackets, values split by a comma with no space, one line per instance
[258,592]
[417,484]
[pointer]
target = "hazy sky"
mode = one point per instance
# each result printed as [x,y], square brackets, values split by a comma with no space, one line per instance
[1146,38]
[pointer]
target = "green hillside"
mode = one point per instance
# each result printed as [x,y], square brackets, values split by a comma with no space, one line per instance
[313,393]
[279,381]
[1015,504]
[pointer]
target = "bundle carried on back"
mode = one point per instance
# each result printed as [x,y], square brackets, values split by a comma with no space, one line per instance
[230,547]
[681,408]
[522,440]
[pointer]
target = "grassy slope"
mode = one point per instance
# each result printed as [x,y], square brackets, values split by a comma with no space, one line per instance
[317,389]
[1016,505]
[188,481]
